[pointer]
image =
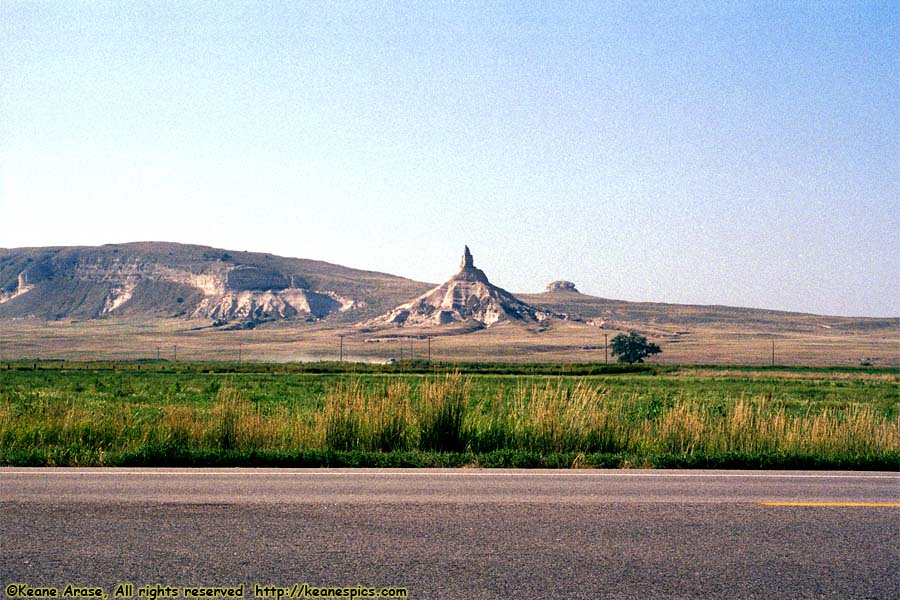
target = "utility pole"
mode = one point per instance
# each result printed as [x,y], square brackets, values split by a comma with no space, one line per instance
[175,353]
[157,353]
[429,349]
[401,348]
[605,349]
[410,349]
[341,356]
[240,348]
[773,353]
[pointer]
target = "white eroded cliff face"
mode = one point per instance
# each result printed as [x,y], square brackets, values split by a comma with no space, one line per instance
[220,285]
[210,281]
[21,288]
[118,295]
[284,304]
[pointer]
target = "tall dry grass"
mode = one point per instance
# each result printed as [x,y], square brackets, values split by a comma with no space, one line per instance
[441,415]
[356,417]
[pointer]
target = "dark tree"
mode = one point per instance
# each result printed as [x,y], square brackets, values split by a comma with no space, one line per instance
[633,347]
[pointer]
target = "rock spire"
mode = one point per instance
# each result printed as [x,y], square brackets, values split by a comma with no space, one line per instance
[467,262]
[467,296]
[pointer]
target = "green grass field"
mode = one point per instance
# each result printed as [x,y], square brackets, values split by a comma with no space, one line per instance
[416,414]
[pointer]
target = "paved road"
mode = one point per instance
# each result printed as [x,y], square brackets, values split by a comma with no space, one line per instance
[459,533]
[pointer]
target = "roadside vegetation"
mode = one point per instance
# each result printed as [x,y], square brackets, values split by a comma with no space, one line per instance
[129,414]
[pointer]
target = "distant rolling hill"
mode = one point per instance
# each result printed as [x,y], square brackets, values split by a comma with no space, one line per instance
[156,279]
[245,289]
[619,314]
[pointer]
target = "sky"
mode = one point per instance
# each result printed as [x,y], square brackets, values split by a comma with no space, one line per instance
[743,154]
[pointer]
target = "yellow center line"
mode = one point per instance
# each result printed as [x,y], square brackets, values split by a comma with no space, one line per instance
[869,504]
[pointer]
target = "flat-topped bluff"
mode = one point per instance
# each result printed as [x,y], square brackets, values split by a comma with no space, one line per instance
[164,279]
[561,286]
[467,296]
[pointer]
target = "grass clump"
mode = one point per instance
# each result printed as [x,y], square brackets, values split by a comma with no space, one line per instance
[443,407]
[355,417]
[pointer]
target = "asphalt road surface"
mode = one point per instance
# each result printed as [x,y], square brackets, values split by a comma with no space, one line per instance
[456,534]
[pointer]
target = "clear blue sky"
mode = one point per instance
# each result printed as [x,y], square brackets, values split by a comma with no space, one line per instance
[712,152]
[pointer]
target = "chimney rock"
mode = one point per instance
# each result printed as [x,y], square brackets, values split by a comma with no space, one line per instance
[467,262]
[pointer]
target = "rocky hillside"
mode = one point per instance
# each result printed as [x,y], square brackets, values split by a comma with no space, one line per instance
[467,296]
[164,279]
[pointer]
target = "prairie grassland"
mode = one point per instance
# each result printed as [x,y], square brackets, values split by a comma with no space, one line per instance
[117,339]
[107,417]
